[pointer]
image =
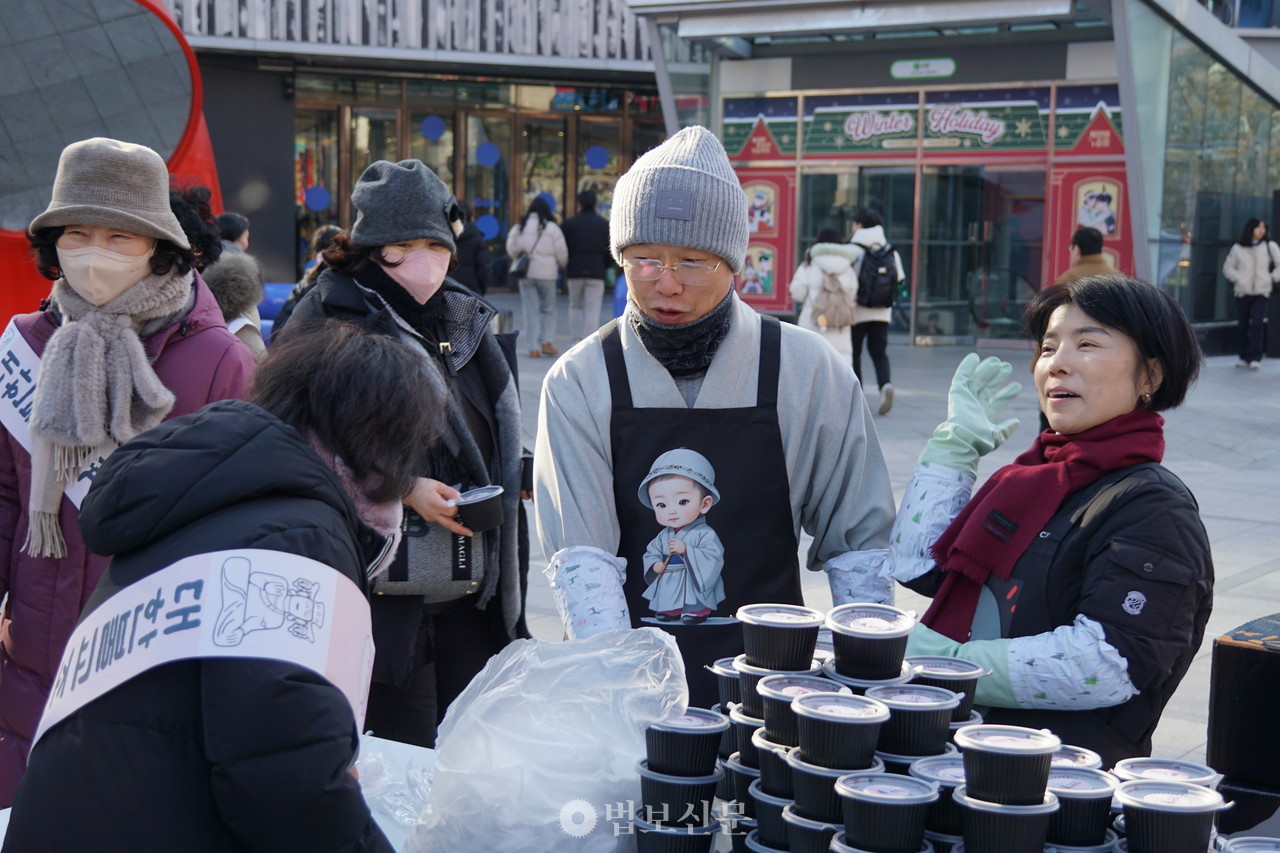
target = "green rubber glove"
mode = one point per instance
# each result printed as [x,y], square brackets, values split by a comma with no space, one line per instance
[980,390]
[996,689]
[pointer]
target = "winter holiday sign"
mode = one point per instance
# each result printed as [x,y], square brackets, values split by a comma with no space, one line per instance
[981,121]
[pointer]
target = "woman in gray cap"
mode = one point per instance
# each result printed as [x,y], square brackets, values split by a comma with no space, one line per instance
[128,336]
[451,599]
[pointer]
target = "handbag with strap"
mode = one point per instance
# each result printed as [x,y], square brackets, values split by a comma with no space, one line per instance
[520,263]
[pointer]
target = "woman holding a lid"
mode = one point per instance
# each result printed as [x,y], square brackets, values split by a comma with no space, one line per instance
[1080,575]
[450,600]
[128,336]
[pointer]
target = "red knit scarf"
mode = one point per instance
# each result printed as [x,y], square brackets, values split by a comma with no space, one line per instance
[1000,522]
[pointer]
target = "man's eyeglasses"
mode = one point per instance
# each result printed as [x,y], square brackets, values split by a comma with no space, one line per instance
[685,272]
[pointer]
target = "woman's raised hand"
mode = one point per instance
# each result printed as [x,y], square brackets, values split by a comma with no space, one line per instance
[980,391]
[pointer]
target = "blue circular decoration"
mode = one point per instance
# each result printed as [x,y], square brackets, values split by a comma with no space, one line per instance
[316,198]
[597,157]
[433,127]
[488,154]
[488,225]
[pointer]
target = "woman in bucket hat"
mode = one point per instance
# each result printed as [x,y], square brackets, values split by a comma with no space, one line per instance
[451,599]
[128,336]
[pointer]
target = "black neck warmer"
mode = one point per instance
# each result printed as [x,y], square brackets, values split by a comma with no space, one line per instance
[686,349]
[427,320]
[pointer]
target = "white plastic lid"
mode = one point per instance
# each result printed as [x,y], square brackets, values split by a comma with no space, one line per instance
[737,715]
[947,750]
[780,615]
[481,493]
[941,667]
[887,788]
[1075,756]
[1251,844]
[724,666]
[1108,845]
[642,768]
[915,697]
[1079,783]
[694,720]
[741,665]
[829,671]
[788,687]
[799,764]
[1048,806]
[1169,796]
[1130,769]
[1010,740]
[733,764]
[840,707]
[875,621]
[946,770]
[760,740]
[790,816]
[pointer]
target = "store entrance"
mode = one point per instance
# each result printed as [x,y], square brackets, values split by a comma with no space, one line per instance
[981,249]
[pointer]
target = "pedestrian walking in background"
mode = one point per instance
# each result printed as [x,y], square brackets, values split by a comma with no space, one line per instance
[233,228]
[216,754]
[451,600]
[321,239]
[129,335]
[874,309]
[1086,256]
[587,238]
[825,286]
[1253,268]
[473,256]
[541,239]
[1085,552]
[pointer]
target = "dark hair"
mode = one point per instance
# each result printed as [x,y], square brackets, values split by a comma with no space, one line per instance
[231,226]
[867,218]
[345,257]
[540,206]
[587,199]
[1087,240]
[322,237]
[166,259]
[828,235]
[1149,316]
[1246,236]
[190,205]
[1103,197]
[370,399]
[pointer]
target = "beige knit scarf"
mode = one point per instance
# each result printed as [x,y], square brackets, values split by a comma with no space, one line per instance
[96,391]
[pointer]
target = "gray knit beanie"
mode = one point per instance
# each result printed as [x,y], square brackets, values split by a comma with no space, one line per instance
[682,193]
[397,202]
[115,184]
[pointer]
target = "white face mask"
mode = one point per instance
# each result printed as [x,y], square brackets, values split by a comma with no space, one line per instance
[419,271]
[100,275]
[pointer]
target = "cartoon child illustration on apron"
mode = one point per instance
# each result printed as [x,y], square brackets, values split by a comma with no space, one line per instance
[684,561]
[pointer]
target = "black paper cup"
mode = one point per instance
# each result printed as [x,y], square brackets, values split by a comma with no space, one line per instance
[806,834]
[773,831]
[685,744]
[744,726]
[860,686]
[776,693]
[814,788]
[677,800]
[728,684]
[749,677]
[1008,765]
[1108,845]
[999,828]
[885,812]
[838,730]
[775,772]
[919,718]
[480,509]
[955,674]
[1084,806]
[753,844]
[1076,756]
[738,828]
[1168,816]
[943,843]
[724,788]
[948,772]
[869,640]
[665,838]
[1166,770]
[728,744]
[825,649]
[742,777]
[840,845]
[902,763]
[779,636]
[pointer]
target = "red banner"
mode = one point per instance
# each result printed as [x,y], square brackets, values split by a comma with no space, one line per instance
[1096,196]
[770,258]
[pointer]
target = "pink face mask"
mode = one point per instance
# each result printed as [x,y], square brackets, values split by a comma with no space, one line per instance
[418,271]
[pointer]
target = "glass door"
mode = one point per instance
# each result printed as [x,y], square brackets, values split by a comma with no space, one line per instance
[545,165]
[981,249]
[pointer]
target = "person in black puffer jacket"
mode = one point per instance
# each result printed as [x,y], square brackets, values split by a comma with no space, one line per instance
[238,754]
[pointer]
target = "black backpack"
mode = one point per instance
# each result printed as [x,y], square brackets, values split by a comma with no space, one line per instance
[877,278]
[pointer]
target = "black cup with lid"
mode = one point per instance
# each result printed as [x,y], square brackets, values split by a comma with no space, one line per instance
[1007,764]
[1084,798]
[779,636]
[685,744]
[869,640]
[919,718]
[885,812]
[776,693]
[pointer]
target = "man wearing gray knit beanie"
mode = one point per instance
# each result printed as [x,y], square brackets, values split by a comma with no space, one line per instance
[773,409]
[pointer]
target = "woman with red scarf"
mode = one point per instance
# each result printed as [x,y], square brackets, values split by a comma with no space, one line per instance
[1080,575]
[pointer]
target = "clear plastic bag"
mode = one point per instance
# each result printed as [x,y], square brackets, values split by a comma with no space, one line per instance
[539,752]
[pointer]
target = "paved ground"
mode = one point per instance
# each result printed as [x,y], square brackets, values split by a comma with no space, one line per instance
[1224,442]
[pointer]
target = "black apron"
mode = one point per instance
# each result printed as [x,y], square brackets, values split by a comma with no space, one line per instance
[752,518]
